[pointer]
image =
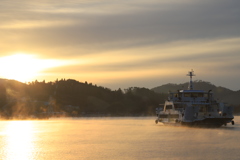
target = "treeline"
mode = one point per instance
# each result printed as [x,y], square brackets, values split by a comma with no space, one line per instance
[75,99]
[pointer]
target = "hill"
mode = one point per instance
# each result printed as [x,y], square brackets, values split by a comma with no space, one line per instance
[74,98]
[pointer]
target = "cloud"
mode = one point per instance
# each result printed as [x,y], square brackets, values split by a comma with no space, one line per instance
[109,25]
[125,39]
[184,55]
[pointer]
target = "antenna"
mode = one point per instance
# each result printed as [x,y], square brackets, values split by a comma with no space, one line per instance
[190,74]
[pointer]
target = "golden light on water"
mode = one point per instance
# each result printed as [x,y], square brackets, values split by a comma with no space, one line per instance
[19,140]
[25,67]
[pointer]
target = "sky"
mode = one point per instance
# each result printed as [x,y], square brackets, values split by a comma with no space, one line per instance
[121,43]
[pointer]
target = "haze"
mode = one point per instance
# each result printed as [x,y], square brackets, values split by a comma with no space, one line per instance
[118,44]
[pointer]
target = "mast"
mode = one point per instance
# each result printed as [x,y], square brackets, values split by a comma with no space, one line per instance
[190,74]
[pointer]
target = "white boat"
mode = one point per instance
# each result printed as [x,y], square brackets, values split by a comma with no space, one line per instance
[194,108]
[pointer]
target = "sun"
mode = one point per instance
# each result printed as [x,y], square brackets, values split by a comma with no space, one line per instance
[24,67]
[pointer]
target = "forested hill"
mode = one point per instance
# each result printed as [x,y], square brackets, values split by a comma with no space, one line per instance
[75,98]
[221,93]
[85,99]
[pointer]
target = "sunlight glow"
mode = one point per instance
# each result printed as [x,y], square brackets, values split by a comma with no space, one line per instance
[19,140]
[25,67]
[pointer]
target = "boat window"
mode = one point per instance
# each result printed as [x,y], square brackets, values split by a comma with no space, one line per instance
[200,94]
[202,108]
[212,108]
[194,95]
[169,107]
[163,116]
[205,95]
[187,95]
[178,106]
[173,116]
[209,108]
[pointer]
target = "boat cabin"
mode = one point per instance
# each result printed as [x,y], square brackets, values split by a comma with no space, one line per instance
[191,95]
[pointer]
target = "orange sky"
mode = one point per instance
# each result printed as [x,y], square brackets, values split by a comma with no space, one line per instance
[119,44]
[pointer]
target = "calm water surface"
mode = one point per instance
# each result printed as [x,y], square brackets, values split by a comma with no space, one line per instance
[115,138]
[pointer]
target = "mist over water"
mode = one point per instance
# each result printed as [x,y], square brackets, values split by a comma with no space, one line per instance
[115,138]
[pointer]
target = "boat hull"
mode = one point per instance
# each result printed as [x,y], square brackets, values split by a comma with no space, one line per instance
[209,122]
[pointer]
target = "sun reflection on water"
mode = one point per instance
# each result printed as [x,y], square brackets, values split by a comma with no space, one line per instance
[19,140]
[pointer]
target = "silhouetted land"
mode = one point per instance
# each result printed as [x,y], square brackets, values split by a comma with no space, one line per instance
[73,98]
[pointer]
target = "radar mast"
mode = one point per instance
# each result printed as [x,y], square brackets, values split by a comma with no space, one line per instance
[190,74]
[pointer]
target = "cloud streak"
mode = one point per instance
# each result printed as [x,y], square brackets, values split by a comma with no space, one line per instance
[126,39]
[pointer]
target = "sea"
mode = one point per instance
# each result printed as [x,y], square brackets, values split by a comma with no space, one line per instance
[115,138]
